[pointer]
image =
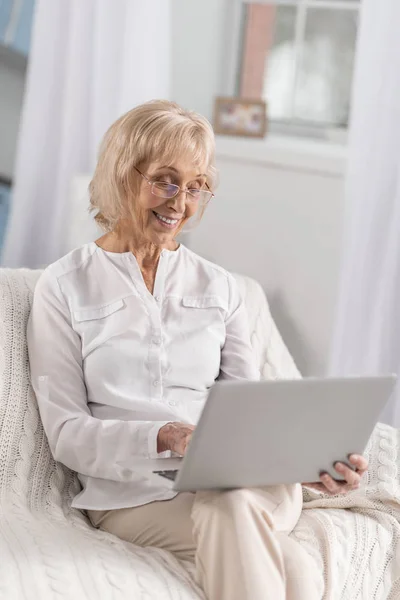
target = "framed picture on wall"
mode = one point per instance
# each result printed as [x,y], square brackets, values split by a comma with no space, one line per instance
[239,116]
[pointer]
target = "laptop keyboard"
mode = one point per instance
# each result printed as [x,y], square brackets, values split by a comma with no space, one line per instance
[167,474]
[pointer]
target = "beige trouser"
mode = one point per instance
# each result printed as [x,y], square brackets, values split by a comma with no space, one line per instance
[238,540]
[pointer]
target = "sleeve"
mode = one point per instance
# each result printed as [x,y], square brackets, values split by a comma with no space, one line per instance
[104,449]
[238,361]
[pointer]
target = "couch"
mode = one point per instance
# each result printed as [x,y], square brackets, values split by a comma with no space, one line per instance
[49,550]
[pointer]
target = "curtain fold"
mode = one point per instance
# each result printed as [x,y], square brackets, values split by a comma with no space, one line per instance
[367,329]
[89,63]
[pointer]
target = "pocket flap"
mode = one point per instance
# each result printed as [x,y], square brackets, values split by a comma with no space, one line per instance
[98,312]
[204,302]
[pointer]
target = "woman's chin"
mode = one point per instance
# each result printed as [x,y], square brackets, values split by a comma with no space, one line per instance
[161,236]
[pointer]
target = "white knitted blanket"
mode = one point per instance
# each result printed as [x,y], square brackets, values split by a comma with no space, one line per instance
[48,550]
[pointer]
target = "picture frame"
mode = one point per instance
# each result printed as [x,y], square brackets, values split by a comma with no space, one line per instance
[240,117]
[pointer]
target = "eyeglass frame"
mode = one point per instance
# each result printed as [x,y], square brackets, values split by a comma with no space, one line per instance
[178,189]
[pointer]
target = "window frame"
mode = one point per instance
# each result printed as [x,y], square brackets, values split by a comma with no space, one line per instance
[236,31]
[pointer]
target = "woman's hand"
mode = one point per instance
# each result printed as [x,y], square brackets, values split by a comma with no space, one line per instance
[352,478]
[175,437]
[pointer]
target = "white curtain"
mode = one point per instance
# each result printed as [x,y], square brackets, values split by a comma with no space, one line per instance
[367,336]
[90,62]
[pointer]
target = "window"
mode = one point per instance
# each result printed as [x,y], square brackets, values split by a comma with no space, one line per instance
[298,55]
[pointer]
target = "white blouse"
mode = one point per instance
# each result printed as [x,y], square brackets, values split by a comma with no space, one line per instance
[111,363]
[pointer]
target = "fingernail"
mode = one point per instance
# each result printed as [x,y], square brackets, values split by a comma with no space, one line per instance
[339,466]
[353,457]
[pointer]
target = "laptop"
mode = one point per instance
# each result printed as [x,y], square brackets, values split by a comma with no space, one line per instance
[255,434]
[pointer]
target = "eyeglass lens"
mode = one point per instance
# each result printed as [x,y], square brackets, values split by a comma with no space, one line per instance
[169,190]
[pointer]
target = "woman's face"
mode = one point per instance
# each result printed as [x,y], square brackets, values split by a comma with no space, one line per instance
[163,218]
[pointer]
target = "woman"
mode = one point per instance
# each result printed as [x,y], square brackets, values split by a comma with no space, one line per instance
[127,335]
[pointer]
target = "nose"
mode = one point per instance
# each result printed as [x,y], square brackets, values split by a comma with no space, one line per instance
[178,203]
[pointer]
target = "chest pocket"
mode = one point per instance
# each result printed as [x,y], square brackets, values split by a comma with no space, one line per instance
[98,324]
[205,313]
[204,302]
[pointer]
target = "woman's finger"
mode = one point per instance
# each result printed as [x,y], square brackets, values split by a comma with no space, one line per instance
[351,477]
[331,485]
[359,462]
[187,441]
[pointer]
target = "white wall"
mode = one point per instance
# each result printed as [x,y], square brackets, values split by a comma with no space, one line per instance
[277,217]
[198,52]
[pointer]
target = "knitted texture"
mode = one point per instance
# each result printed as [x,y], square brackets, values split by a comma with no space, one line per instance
[49,550]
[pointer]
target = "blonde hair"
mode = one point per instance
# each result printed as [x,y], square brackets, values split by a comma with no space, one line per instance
[150,132]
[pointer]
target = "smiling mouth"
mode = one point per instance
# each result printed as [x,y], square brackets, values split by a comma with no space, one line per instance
[169,223]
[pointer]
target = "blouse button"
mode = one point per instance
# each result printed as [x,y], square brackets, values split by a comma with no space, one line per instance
[157,341]
[156,382]
[158,298]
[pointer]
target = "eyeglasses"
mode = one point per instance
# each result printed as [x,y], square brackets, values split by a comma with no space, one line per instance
[163,189]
